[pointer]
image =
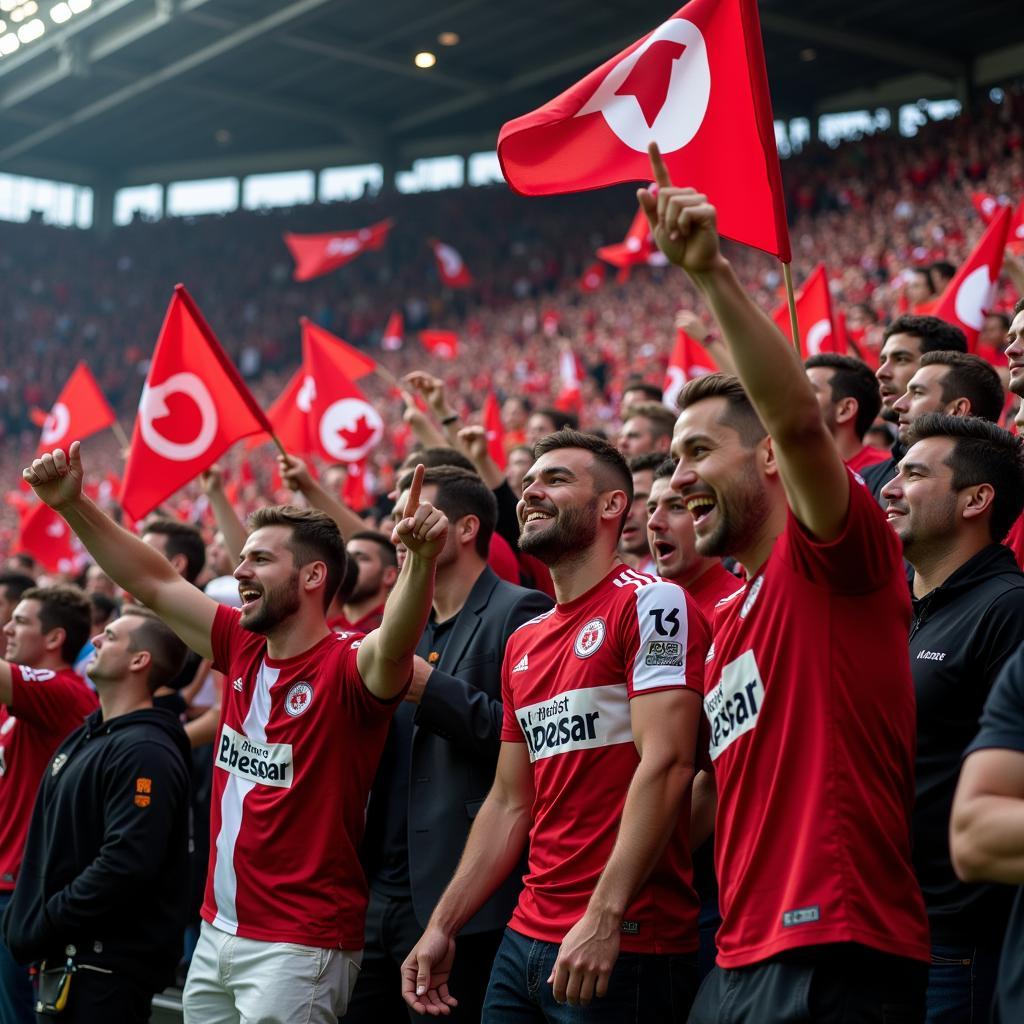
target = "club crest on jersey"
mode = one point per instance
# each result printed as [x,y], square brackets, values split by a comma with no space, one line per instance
[748,601]
[589,638]
[298,699]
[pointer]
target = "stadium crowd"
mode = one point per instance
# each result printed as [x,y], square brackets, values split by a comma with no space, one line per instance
[709,713]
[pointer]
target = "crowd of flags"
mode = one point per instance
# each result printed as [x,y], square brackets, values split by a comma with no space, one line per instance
[697,85]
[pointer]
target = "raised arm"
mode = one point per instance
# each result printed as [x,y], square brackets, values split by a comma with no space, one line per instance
[385,657]
[473,441]
[231,527]
[495,844]
[132,565]
[295,474]
[817,482]
[433,391]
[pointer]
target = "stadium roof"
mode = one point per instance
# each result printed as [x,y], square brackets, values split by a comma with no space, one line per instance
[136,91]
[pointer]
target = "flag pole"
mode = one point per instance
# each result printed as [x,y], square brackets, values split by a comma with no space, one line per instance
[387,376]
[787,273]
[122,437]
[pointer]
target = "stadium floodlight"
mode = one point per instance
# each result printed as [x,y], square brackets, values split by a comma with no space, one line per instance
[8,5]
[60,12]
[77,6]
[8,44]
[31,30]
[424,59]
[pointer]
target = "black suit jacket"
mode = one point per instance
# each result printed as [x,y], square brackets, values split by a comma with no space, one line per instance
[456,741]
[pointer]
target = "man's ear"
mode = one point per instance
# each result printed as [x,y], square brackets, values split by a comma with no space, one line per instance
[766,455]
[313,575]
[847,409]
[54,639]
[141,660]
[615,505]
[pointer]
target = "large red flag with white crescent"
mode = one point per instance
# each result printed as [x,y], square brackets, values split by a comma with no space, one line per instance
[321,253]
[451,268]
[80,411]
[819,329]
[194,406]
[969,295]
[697,86]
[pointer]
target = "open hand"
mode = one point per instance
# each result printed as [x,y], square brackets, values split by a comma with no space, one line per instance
[56,477]
[425,974]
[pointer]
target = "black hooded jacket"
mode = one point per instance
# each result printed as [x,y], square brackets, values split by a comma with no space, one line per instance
[105,864]
[961,635]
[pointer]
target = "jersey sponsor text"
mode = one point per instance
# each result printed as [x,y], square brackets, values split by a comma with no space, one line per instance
[733,706]
[267,763]
[597,716]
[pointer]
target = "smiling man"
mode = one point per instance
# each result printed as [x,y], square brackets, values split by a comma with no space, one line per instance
[305,711]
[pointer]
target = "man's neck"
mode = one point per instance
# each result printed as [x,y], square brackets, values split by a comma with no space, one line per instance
[297,634]
[755,554]
[848,444]
[452,586]
[700,567]
[357,610]
[933,568]
[573,577]
[121,698]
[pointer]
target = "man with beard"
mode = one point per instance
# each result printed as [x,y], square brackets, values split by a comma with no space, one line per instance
[907,338]
[377,564]
[440,756]
[811,727]
[303,720]
[958,490]
[601,709]
[1015,355]
[634,547]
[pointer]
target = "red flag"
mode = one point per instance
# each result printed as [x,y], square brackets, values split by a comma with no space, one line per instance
[320,254]
[450,267]
[343,425]
[819,330]
[494,429]
[986,204]
[689,359]
[969,295]
[194,406]
[394,333]
[637,247]
[349,360]
[443,344]
[353,490]
[697,86]
[1015,239]
[80,410]
[569,399]
[593,277]
[46,537]
[289,415]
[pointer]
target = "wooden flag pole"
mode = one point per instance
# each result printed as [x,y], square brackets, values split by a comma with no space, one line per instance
[787,273]
[122,437]
[387,376]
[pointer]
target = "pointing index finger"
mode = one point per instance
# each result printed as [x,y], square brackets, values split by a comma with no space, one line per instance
[661,175]
[414,491]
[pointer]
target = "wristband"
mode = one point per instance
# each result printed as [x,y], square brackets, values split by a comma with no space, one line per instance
[449,420]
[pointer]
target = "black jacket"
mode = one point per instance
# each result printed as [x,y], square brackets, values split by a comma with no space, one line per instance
[455,744]
[960,637]
[105,865]
[877,476]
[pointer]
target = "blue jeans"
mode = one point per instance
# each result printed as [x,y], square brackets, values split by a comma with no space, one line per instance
[647,988]
[961,984]
[16,1000]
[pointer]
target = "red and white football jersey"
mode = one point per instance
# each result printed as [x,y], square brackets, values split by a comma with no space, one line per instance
[295,756]
[567,681]
[812,735]
[46,706]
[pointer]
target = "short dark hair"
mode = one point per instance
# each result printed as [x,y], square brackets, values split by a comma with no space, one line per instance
[740,413]
[388,555]
[182,539]
[851,378]
[982,454]
[348,581]
[437,455]
[666,468]
[64,607]
[166,650]
[1001,317]
[652,391]
[461,492]
[944,268]
[933,333]
[660,415]
[608,459]
[520,448]
[642,463]
[1018,306]
[103,607]
[972,378]
[315,538]
[14,584]
[562,420]
[926,273]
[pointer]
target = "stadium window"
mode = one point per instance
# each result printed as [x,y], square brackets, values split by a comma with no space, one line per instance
[782,139]
[288,188]
[54,202]
[432,174]
[337,183]
[83,208]
[147,200]
[914,115]
[799,133]
[193,198]
[851,125]
[484,169]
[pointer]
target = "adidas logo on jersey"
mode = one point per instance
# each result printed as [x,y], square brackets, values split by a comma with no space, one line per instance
[238,684]
[523,664]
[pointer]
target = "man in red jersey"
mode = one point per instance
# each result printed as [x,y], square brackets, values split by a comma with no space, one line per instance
[303,721]
[601,703]
[42,699]
[1014,353]
[812,728]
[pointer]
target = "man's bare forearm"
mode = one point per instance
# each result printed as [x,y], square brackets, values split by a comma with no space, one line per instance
[232,528]
[987,839]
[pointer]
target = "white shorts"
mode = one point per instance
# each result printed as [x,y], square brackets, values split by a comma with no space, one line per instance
[245,981]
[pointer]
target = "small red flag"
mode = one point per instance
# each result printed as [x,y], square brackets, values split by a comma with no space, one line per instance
[637,247]
[986,204]
[343,425]
[697,86]
[194,406]
[1015,239]
[593,277]
[349,360]
[443,344]
[819,329]
[320,254]
[570,398]
[46,537]
[689,359]
[353,490]
[969,295]
[80,411]
[394,333]
[289,415]
[494,429]
[451,269]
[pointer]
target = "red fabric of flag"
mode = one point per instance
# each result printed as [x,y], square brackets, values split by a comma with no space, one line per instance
[819,331]
[44,535]
[343,425]
[570,398]
[637,247]
[350,360]
[194,406]
[451,268]
[289,415]
[1015,238]
[689,359]
[494,429]
[969,295]
[593,277]
[394,333]
[443,344]
[697,86]
[986,204]
[80,410]
[321,253]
